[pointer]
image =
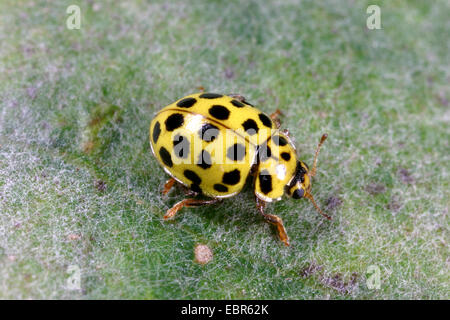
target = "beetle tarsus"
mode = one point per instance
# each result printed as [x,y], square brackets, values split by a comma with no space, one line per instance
[187,203]
[273,219]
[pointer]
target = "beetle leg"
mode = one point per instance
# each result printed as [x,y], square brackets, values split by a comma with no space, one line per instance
[240,98]
[286,132]
[275,116]
[237,97]
[168,186]
[273,219]
[171,183]
[188,192]
[188,203]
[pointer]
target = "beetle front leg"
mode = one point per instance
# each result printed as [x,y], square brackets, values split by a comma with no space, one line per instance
[273,219]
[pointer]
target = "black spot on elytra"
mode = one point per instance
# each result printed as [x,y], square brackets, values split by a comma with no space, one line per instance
[208,132]
[220,187]
[219,112]
[279,141]
[264,152]
[232,177]
[250,126]
[237,104]
[174,121]
[265,120]
[286,156]
[191,175]
[299,174]
[265,182]
[298,193]
[236,152]
[181,146]
[165,157]
[156,131]
[186,102]
[210,95]
[204,160]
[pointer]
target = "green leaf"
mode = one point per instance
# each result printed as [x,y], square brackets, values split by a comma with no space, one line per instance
[80,190]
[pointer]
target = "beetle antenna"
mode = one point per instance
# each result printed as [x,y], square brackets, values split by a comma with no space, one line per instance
[312,173]
[310,197]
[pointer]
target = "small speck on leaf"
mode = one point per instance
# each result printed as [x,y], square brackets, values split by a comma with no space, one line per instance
[203,254]
[100,185]
[405,176]
[229,74]
[322,114]
[74,237]
[337,283]
[32,92]
[443,100]
[394,204]
[333,202]
[375,188]
[310,270]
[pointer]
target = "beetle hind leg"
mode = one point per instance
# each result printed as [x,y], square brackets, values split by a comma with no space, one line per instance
[273,219]
[188,203]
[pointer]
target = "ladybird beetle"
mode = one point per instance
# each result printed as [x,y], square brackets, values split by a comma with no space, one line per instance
[212,143]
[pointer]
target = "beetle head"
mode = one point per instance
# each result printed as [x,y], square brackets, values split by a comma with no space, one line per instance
[300,185]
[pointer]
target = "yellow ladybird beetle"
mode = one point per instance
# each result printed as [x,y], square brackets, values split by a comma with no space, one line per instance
[212,143]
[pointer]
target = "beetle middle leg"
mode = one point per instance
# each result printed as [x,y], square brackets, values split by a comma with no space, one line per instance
[172,182]
[273,219]
[188,203]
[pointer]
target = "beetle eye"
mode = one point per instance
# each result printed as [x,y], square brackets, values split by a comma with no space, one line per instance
[298,193]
